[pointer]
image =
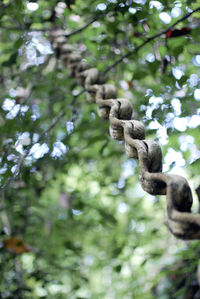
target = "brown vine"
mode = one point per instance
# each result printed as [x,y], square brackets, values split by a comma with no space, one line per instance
[180,221]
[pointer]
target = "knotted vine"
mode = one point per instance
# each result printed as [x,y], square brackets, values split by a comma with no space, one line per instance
[180,221]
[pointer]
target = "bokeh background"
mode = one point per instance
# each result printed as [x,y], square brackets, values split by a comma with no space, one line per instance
[74,220]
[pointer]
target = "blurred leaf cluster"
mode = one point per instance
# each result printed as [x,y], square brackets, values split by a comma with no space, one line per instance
[74,221]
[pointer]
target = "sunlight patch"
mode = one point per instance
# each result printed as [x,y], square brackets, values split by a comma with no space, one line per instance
[196,60]
[193,80]
[59,149]
[180,123]
[122,207]
[142,2]
[150,57]
[174,157]
[177,73]
[176,12]
[155,4]
[32,6]
[13,112]
[8,104]
[39,150]
[101,6]
[77,212]
[177,106]
[132,10]
[165,17]
[24,139]
[69,127]
[197,94]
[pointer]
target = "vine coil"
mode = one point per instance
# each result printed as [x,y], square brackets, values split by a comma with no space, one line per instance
[180,221]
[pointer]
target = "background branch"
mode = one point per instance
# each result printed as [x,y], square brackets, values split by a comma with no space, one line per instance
[148,40]
[78,30]
[85,26]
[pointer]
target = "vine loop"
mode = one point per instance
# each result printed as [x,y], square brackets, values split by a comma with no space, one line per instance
[180,221]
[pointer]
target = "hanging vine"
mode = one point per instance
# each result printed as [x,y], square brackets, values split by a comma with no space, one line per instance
[180,221]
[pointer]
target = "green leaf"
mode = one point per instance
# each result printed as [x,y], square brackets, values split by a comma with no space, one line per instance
[139,75]
[177,50]
[154,66]
[12,60]
[18,43]
[183,80]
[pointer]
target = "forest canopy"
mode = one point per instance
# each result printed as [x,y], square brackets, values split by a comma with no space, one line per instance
[74,219]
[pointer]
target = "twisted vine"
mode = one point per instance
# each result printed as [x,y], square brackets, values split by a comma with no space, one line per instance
[180,221]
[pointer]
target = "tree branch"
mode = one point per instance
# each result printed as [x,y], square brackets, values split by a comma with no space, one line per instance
[198,194]
[53,29]
[85,26]
[149,40]
[27,29]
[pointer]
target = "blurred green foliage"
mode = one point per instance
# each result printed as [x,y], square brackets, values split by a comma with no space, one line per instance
[69,195]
